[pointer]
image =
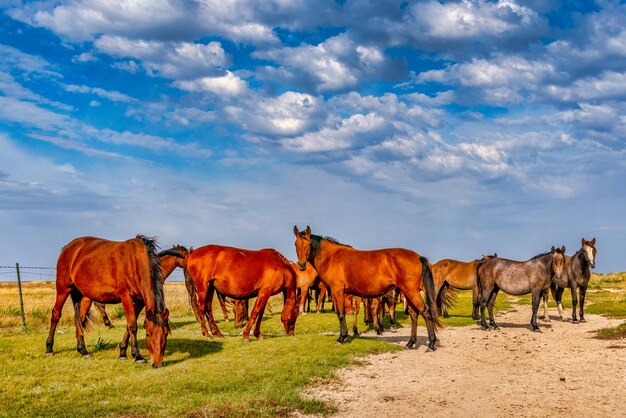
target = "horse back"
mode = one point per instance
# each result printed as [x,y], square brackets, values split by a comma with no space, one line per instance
[459,274]
[102,269]
[239,272]
[371,273]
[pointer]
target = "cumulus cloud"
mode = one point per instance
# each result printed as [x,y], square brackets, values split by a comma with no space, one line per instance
[114,96]
[336,64]
[168,59]
[227,85]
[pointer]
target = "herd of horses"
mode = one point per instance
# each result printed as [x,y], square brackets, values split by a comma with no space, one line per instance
[97,271]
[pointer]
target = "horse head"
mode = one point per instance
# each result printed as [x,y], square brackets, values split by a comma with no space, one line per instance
[558,261]
[303,246]
[157,330]
[589,251]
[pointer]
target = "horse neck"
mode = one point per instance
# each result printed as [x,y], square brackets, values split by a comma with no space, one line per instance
[325,251]
[168,264]
[579,267]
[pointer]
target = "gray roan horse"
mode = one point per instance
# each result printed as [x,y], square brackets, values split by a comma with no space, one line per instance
[518,278]
[577,275]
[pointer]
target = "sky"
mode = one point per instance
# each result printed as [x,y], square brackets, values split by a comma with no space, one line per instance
[455,129]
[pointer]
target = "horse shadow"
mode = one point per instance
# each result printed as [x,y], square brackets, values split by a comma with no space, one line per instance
[527,326]
[194,348]
[397,339]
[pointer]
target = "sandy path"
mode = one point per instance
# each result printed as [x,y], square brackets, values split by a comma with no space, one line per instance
[513,371]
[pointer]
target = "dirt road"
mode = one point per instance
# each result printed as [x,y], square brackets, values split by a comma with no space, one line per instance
[511,372]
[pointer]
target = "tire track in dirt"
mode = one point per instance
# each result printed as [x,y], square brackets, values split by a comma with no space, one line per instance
[510,372]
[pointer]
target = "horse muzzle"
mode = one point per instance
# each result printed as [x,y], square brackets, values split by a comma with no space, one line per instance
[302,266]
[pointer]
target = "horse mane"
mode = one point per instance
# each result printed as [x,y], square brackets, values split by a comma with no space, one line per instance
[541,255]
[156,273]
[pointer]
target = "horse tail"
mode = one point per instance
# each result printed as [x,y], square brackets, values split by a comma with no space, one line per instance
[431,298]
[446,297]
[156,273]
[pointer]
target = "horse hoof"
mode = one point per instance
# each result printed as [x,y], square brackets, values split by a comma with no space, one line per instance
[87,355]
[536,329]
[50,353]
[445,315]
[140,360]
[583,320]
[246,340]
[575,321]
[338,343]
[122,358]
[110,325]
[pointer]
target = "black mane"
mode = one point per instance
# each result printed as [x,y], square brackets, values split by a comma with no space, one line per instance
[541,255]
[156,273]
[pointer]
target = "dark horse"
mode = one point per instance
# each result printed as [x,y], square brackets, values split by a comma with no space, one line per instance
[518,278]
[370,274]
[243,274]
[577,275]
[112,272]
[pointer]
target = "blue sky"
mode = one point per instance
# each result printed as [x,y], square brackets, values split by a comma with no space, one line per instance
[452,128]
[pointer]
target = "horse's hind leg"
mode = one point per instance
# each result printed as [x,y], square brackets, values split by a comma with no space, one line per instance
[102,310]
[339,302]
[557,294]
[544,299]
[355,315]
[62,294]
[475,302]
[209,314]
[222,301]
[490,305]
[416,304]
[78,323]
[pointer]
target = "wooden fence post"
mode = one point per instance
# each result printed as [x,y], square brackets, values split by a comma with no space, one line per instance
[19,287]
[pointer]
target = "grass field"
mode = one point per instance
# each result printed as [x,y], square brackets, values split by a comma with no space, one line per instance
[219,377]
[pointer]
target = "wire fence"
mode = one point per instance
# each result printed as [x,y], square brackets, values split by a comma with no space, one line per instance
[27,294]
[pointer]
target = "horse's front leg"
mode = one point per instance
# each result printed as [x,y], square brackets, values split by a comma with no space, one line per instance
[536,299]
[256,315]
[558,297]
[475,302]
[355,315]
[544,299]
[137,307]
[130,307]
[573,289]
[484,301]
[583,291]
[77,299]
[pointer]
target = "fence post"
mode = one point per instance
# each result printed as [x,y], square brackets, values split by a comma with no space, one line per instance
[19,287]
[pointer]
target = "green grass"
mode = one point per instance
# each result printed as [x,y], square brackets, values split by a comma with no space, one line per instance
[616,333]
[219,377]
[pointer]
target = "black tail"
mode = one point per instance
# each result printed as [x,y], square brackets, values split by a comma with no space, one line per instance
[446,297]
[156,273]
[431,297]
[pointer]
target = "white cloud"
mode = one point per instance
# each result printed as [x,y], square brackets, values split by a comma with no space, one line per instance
[84,57]
[606,86]
[228,85]
[168,59]
[114,96]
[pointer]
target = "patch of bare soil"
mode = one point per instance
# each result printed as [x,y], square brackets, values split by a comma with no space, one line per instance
[509,372]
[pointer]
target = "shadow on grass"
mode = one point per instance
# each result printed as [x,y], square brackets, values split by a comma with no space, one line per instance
[193,348]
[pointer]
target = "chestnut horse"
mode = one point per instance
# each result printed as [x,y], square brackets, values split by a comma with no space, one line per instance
[452,275]
[112,272]
[170,259]
[243,274]
[577,275]
[518,278]
[370,274]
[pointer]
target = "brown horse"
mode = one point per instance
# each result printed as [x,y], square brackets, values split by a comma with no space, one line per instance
[374,310]
[242,274]
[370,274]
[577,275]
[112,272]
[452,275]
[170,259]
[518,278]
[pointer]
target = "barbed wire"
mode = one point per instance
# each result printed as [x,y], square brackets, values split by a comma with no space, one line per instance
[28,267]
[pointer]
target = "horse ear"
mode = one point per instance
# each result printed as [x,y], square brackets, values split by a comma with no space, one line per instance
[593,241]
[582,241]
[552,250]
[495,255]
[295,230]
[308,231]
[149,315]
[563,249]
[165,314]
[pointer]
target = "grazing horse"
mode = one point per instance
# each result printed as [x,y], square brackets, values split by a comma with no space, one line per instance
[577,275]
[518,278]
[370,274]
[112,272]
[170,259]
[452,275]
[243,274]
